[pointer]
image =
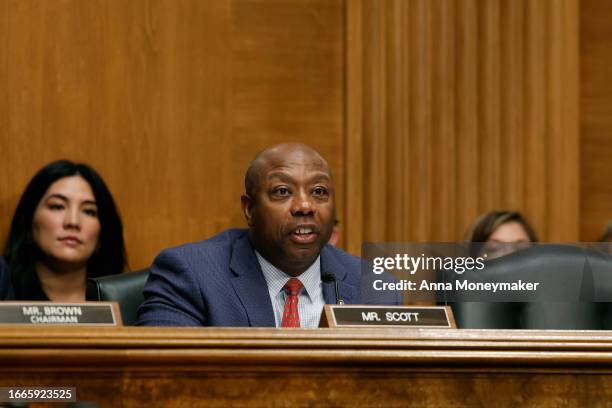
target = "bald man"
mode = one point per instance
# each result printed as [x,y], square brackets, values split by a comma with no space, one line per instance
[271,273]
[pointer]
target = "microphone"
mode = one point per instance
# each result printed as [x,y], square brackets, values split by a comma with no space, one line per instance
[329,277]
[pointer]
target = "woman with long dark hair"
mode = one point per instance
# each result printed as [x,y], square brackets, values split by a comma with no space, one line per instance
[66,228]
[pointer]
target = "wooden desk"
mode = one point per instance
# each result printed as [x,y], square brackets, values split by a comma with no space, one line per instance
[165,367]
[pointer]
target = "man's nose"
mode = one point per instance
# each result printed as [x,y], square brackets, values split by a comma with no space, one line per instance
[302,204]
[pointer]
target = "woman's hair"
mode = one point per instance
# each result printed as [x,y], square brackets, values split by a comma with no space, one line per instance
[607,234]
[21,251]
[486,224]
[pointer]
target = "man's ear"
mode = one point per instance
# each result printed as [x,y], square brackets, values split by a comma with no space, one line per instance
[247,205]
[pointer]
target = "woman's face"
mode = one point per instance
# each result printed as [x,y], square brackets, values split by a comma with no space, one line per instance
[507,238]
[511,232]
[65,226]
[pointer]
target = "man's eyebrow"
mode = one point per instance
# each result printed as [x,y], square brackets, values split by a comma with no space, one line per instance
[280,175]
[318,176]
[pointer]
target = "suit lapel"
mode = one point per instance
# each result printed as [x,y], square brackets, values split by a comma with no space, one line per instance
[348,290]
[250,285]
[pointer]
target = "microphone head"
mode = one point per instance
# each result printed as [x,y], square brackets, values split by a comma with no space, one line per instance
[328,277]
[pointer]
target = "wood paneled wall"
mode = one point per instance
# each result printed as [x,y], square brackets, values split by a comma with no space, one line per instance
[595,117]
[459,107]
[169,100]
[429,111]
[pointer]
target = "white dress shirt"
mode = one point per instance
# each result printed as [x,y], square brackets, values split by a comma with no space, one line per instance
[310,299]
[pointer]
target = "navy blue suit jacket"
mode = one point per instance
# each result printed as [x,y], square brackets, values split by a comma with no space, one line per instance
[219,282]
[6,289]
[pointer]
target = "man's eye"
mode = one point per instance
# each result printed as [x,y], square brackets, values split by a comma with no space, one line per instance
[319,191]
[282,191]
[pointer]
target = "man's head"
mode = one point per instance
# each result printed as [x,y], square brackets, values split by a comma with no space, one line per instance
[289,205]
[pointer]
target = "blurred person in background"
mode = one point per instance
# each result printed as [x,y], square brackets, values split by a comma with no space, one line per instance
[606,238]
[501,232]
[607,234]
[335,236]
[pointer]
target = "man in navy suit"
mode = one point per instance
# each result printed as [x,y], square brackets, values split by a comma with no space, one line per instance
[242,277]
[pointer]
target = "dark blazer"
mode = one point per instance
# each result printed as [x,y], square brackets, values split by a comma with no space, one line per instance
[219,282]
[6,289]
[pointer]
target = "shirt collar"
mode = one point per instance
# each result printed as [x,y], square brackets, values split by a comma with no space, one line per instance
[276,278]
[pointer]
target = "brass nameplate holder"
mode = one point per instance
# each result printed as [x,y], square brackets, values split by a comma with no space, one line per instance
[51,313]
[388,316]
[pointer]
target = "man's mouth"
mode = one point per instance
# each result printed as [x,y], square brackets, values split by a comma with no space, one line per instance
[304,235]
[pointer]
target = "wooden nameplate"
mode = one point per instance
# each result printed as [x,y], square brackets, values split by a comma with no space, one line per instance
[388,316]
[51,313]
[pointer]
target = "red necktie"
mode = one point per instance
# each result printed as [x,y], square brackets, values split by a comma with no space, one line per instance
[291,317]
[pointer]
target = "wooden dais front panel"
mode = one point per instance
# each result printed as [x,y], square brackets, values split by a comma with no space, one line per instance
[135,367]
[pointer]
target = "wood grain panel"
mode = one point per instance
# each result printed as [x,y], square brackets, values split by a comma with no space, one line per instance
[420,91]
[564,148]
[430,112]
[468,148]
[512,91]
[445,142]
[483,115]
[536,112]
[168,100]
[490,114]
[374,120]
[595,117]
[167,367]
[354,151]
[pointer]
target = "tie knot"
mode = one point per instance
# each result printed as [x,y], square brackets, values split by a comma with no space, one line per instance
[293,286]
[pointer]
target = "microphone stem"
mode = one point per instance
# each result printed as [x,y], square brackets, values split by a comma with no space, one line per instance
[338,300]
